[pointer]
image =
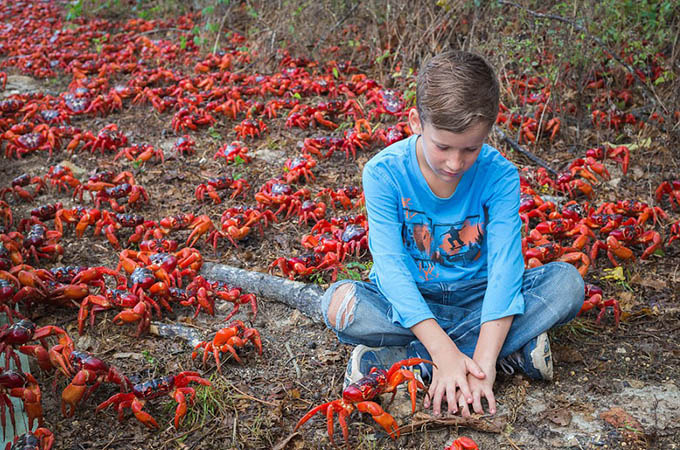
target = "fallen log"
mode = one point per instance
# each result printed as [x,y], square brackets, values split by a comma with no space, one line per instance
[304,297]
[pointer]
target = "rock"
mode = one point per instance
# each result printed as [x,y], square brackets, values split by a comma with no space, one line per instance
[168,147]
[271,156]
[84,342]
[614,182]
[20,84]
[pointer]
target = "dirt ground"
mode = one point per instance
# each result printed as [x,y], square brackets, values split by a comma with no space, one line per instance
[257,404]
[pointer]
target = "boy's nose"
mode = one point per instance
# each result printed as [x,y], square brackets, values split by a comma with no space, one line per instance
[454,165]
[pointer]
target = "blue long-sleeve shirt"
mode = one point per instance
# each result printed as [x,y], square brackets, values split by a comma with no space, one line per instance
[417,237]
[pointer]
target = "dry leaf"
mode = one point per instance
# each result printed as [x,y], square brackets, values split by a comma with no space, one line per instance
[329,357]
[654,283]
[284,442]
[561,417]
[627,425]
[293,393]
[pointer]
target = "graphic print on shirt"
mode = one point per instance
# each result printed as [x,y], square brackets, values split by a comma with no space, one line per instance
[449,244]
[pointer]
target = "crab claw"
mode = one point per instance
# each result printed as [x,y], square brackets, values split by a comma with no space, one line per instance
[379,415]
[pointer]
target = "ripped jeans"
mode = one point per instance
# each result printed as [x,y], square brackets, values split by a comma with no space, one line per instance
[553,295]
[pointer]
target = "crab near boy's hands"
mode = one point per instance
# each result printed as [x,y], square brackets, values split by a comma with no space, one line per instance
[453,372]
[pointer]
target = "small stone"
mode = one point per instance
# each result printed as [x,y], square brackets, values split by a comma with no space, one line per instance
[621,350]
[614,182]
[271,156]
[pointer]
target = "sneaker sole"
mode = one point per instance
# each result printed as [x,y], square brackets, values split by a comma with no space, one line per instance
[541,357]
[353,371]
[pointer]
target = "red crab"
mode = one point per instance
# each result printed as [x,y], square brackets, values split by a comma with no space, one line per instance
[18,185]
[191,118]
[312,210]
[88,371]
[236,151]
[357,138]
[25,331]
[387,101]
[42,243]
[674,232]
[296,167]
[40,138]
[593,299]
[307,264]
[108,139]
[620,154]
[672,189]
[218,184]
[25,387]
[6,214]
[140,153]
[275,192]
[135,194]
[359,395]
[175,386]
[315,145]
[40,439]
[250,128]
[61,177]
[185,145]
[199,226]
[463,443]
[234,335]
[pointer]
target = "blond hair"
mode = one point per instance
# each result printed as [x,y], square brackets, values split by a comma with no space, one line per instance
[457,90]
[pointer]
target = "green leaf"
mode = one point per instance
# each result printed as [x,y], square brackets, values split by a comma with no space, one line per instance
[297,96]
[207,10]
[336,74]
[214,133]
[238,160]
[182,42]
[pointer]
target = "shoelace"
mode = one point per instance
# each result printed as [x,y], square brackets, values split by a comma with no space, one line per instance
[509,363]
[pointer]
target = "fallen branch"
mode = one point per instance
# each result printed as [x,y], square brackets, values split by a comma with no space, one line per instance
[172,330]
[518,148]
[304,297]
[422,419]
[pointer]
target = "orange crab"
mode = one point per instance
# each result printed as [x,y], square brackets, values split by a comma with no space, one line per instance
[359,395]
[235,334]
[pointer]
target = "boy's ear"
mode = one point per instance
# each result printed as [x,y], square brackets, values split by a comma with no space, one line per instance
[414,121]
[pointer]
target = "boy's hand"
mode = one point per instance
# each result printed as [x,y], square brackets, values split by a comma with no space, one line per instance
[453,371]
[480,389]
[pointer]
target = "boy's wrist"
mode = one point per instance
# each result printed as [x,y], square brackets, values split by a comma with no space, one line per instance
[485,362]
[434,338]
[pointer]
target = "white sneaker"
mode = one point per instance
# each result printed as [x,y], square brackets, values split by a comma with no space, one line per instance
[534,359]
[364,358]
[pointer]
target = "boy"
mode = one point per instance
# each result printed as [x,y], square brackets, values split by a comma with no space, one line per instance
[448,282]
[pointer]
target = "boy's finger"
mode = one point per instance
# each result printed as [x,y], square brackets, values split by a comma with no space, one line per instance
[464,409]
[492,401]
[451,398]
[475,370]
[465,389]
[477,402]
[437,400]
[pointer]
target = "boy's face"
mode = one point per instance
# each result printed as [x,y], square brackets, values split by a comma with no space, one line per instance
[448,155]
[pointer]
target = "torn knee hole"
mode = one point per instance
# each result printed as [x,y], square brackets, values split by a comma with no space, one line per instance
[341,308]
